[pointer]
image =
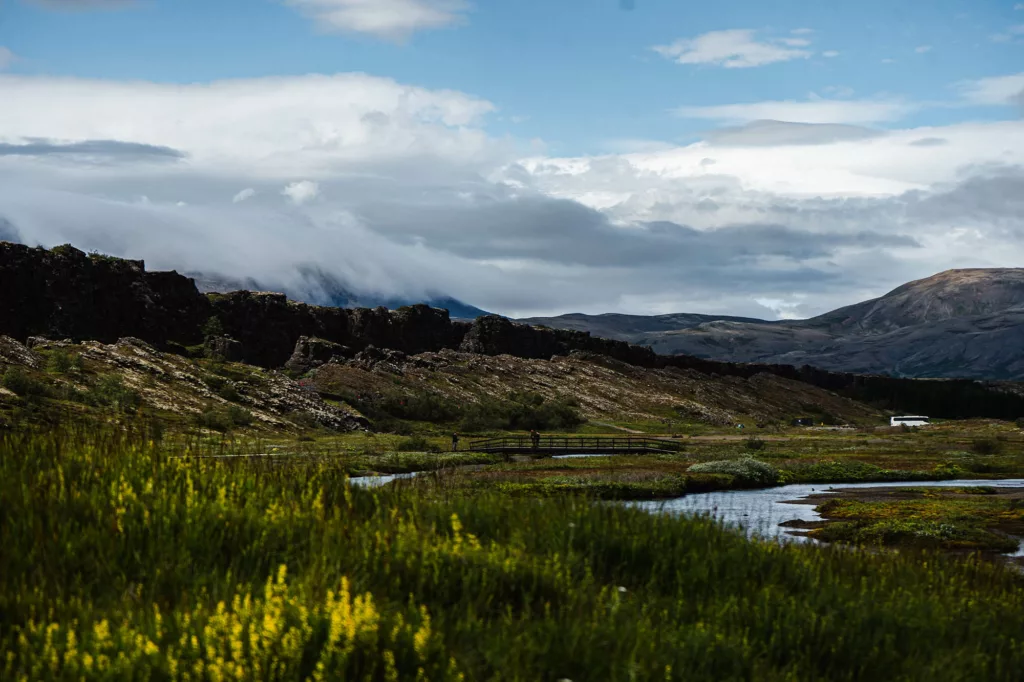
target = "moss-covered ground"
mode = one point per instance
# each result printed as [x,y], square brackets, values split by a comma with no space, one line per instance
[955,519]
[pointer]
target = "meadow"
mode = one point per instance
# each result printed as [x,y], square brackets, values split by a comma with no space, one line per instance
[122,560]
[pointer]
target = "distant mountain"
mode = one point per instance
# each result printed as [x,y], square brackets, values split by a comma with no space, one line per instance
[313,285]
[958,323]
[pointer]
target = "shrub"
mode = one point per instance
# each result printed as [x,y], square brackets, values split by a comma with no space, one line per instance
[304,418]
[417,444]
[17,381]
[111,391]
[213,327]
[746,470]
[62,362]
[215,420]
[987,446]
[754,443]
[239,416]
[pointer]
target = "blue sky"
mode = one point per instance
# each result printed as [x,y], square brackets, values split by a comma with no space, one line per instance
[577,73]
[774,158]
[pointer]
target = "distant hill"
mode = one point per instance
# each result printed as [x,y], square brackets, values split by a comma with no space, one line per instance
[958,323]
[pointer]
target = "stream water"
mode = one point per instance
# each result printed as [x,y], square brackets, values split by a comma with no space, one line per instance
[759,512]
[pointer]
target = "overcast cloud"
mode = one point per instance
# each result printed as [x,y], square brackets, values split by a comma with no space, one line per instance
[400,191]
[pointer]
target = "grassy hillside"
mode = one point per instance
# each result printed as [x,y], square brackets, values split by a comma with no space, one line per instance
[120,562]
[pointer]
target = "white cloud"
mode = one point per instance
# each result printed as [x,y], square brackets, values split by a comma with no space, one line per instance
[888,60]
[302,191]
[6,58]
[413,197]
[795,42]
[996,90]
[921,49]
[838,90]
[802,31]
[811,111]
[733,49]
[279,125]
[830,53]
[247,193]
[1011,33]
[1019,6]
[389,19]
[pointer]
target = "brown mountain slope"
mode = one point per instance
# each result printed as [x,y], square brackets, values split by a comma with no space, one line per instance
[948,295]
[958,323]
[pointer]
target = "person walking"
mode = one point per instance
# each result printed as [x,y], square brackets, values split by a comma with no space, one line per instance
[455,442]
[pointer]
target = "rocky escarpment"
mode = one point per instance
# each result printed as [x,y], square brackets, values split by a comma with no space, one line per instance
[64,293]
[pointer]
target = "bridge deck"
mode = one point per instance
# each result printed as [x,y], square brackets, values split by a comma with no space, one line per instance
[575,445]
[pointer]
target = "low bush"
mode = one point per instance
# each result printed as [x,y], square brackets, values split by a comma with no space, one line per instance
[110,390]
[63,362]
[223,419]
[746,470]
[987,446]
[754,443]
[17,381]
[417,444]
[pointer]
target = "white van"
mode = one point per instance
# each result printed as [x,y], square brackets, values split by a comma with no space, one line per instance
[909,421]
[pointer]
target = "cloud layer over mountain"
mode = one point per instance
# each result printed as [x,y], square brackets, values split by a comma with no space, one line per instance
[402,191]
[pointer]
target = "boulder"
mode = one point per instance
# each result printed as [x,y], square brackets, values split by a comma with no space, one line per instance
[311,352]
[223,348]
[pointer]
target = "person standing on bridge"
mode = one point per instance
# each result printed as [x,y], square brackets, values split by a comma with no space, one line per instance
[534,439]
[455,442]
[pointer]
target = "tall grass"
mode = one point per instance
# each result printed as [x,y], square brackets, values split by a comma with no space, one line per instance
[118,562]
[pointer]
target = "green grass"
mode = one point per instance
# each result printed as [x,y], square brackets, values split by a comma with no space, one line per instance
[948,519]
[120,563]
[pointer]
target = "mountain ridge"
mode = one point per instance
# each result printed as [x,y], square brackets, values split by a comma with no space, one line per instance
[957,323]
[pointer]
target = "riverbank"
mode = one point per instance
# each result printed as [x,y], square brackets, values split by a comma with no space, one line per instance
[954,519]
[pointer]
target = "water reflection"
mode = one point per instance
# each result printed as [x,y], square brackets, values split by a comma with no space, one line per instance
[759,512]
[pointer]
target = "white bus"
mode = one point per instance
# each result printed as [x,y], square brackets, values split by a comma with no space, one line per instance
[911,420]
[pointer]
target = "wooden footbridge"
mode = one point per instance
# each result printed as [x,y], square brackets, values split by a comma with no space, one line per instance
[575,445]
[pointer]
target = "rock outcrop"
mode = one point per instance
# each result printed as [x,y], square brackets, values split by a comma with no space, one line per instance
[311,352]
[64,292]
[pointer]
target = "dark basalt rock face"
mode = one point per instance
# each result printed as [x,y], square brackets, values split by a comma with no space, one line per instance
[223,348]
[312,352]
[64,292]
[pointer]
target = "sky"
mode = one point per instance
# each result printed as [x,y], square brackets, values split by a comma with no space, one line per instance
[770,158]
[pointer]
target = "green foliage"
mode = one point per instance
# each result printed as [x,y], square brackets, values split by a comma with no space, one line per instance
[304,418]
[217,419]
[755,443]
[987,446]
[213,327]
[19,382]
[852,471]
[518,412]
[110,390]
[521,412]
[63,362]
[417,444]
[746,470]
[134,554]
[222,387]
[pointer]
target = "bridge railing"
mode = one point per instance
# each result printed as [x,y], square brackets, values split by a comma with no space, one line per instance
[574,443]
